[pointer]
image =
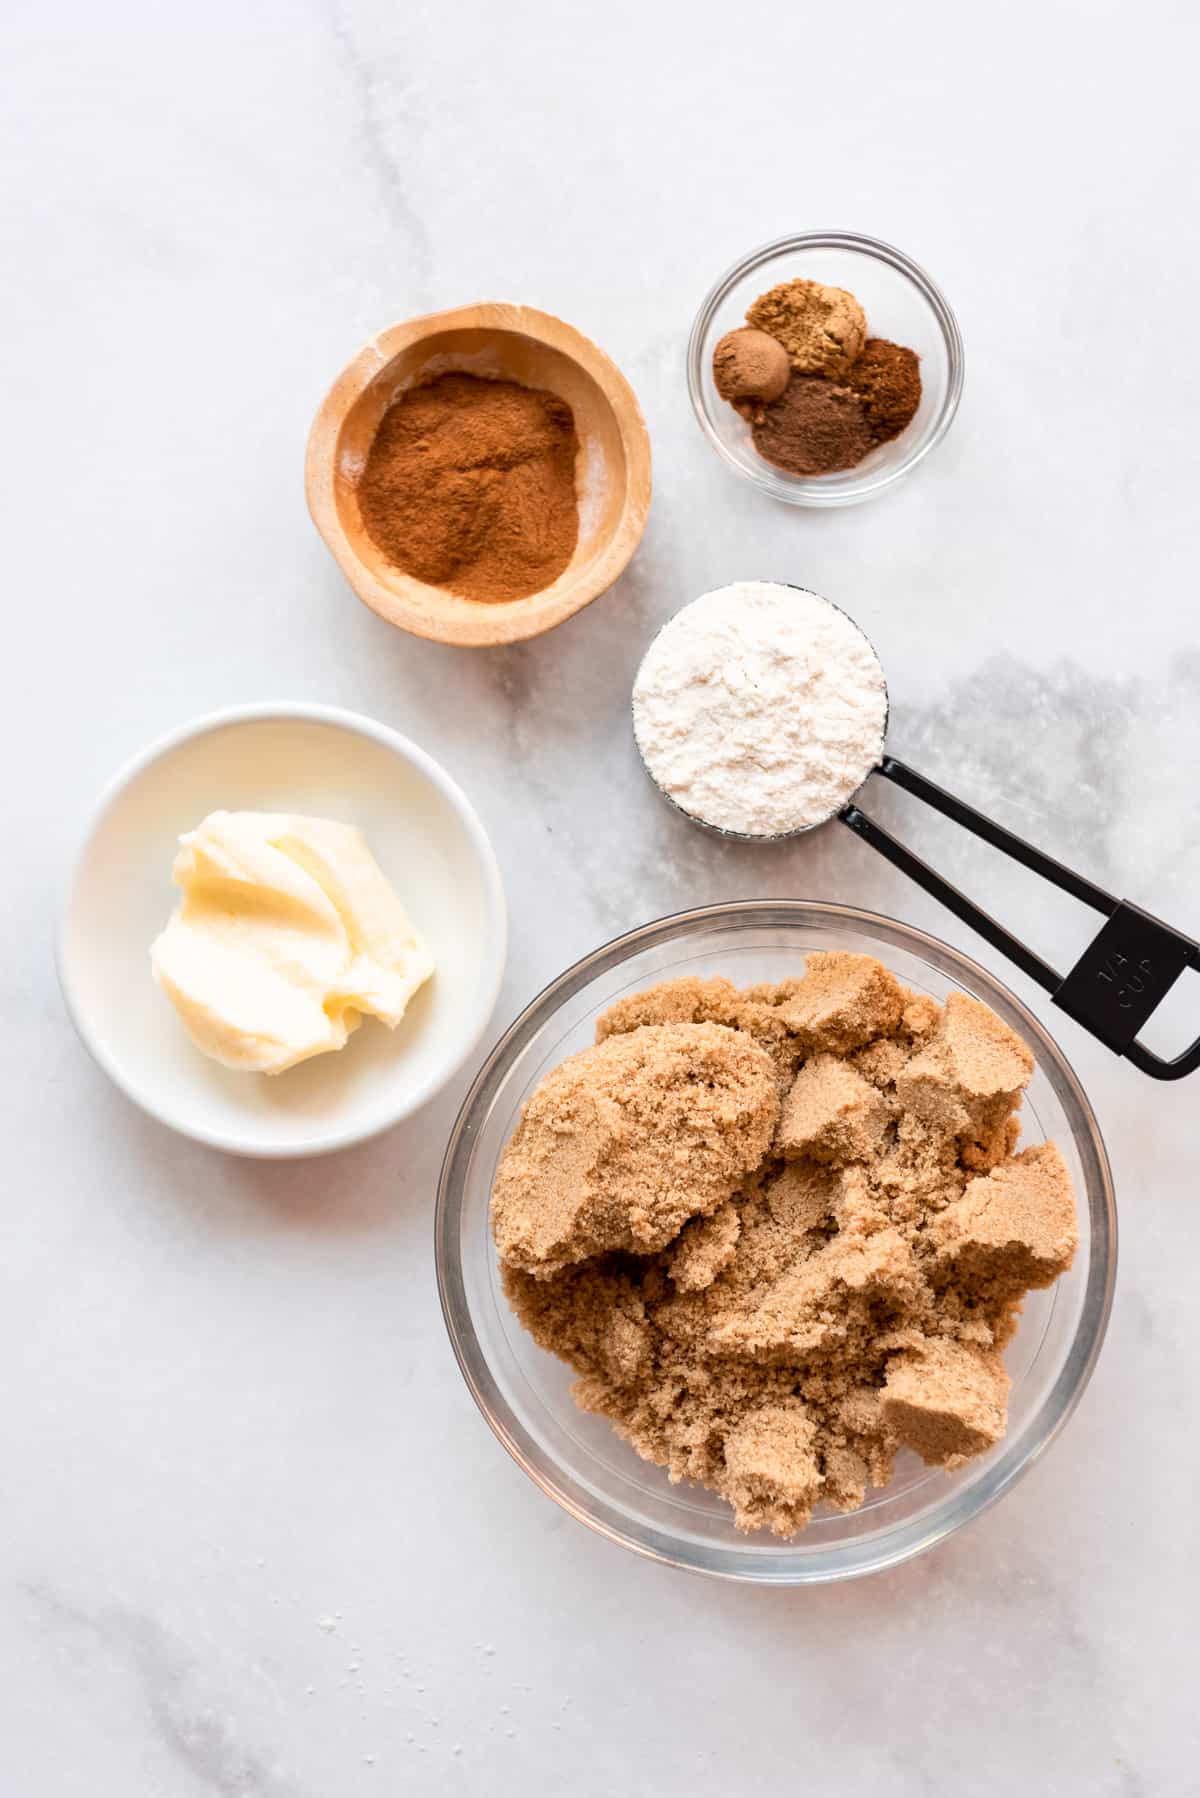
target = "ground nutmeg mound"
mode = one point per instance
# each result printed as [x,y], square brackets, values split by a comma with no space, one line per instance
[782,1233]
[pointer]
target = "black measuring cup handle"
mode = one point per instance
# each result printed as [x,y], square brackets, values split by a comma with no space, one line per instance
[1123,974]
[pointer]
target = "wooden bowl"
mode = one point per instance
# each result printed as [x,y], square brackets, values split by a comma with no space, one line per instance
[612,475]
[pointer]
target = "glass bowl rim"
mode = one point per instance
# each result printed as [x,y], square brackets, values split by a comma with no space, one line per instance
[810,493]
[774,1567]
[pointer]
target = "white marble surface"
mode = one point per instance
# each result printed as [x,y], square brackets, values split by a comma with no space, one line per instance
[254,1539]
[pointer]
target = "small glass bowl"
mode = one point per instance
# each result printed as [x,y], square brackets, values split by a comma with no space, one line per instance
[901,304]
[579,1460]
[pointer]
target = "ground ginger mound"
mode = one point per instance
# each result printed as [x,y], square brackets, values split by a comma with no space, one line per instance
[823,329]
[783,1233]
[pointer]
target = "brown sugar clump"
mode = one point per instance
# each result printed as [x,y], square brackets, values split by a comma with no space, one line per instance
[623,1143]
[777,1329]
[825,1300]
[823,329]
[772,1469]
[703,1248]
[966,1079]
[843,1002]
[887,379]
[947,1400]
[831,1113]
[1014,1228]
[920,1017]
[694,1001]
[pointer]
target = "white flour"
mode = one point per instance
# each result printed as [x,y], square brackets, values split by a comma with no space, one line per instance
[760,708]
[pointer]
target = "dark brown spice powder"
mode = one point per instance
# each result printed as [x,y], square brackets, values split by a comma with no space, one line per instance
[815,427]
[887,379]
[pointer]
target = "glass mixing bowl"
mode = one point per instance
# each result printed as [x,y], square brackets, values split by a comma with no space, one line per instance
[579,1460]
[901,304]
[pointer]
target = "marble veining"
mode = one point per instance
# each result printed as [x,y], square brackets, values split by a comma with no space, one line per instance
[190,1718]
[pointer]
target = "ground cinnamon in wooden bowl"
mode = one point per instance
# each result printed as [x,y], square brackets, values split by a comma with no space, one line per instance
[453,586]
[470,485]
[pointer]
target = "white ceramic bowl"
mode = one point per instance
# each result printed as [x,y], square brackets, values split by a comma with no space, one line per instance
[282,757]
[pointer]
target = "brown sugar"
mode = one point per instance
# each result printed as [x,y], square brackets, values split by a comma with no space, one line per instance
[694,1001]
[947,1400]
[832,1113]
[704,1247]
[775,1301]
[843,1002]
[623,1143]
[1013,1228]
[967,1079]
[772,1465]
[469,485]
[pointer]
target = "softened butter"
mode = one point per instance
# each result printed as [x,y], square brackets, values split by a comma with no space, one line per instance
[288,932]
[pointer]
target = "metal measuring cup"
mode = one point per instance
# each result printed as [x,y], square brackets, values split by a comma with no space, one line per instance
[1123,974]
